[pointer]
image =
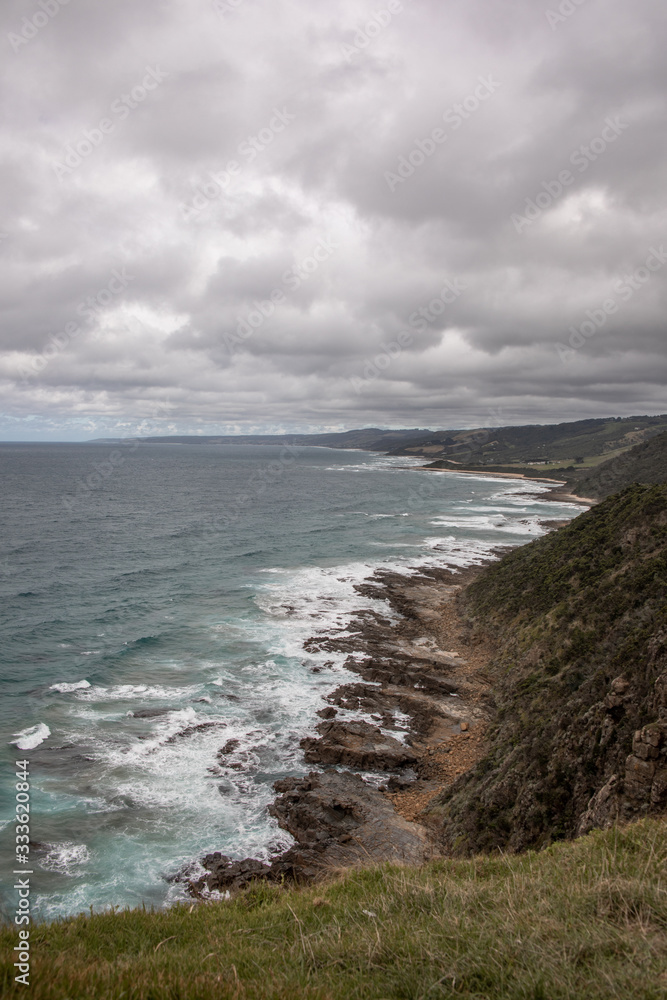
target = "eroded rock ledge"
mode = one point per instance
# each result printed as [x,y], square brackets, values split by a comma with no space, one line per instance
[337,820]
[421,682]
[357,745]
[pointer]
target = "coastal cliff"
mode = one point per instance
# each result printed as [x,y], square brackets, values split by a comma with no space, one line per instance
[579,682]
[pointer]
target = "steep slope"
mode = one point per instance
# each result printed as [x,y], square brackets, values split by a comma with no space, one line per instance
[581,616]
[645,463]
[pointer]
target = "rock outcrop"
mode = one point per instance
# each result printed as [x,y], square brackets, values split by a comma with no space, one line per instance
[348,816]
[645,780]
[336,819]
[356,744]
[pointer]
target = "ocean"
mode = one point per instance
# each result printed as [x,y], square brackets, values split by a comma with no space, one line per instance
[155,603]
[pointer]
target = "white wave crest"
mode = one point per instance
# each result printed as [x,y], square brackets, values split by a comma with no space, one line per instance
[131,692]
[64,688]
[31,737]
[66,858]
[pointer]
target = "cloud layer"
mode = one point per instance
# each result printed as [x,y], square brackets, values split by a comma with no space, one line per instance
[267,215]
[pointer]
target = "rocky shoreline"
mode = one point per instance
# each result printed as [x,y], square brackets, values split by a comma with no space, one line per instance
[558,493]
[387,743]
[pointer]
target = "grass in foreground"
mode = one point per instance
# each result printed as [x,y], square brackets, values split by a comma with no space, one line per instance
[584,920]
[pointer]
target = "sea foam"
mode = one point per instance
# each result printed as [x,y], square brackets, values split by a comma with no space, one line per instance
[31,737]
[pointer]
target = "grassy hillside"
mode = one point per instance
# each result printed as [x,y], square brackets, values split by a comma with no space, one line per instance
[549,472]
[580,920]
[581,615]
[645,463]
[550,446]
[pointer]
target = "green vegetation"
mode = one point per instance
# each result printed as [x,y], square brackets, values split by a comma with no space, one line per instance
[530,471]
[586,919]
[645,463]
[559,446]
[573,611]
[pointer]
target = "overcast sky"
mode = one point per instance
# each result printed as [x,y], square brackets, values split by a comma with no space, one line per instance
[273,215]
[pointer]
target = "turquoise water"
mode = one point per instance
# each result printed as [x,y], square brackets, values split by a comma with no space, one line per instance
[155,602]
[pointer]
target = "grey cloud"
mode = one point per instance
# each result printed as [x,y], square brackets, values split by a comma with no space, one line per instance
[204,252]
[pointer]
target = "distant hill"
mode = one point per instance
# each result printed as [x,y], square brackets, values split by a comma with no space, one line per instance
[645,463]
[579,736]
[556,451]
[366,439]
[557,447]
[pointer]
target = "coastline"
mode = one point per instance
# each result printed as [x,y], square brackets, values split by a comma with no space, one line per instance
[491,475]
[555,494]
[390,741]
[558,496]
[420,712]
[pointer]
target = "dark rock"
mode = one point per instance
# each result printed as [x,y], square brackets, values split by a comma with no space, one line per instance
[659,788]
[660,696]
[229,747]
[336,819]
[345,820]
[638,779]
[399,783]
[226,874]
[191,730]
[356,744]
[327,713]
[149,713]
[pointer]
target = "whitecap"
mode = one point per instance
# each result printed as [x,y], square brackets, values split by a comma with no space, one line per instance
[65,858]
[30,738]
[131,692]
[64,688]
[514,526]
[456,552]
